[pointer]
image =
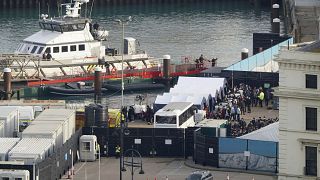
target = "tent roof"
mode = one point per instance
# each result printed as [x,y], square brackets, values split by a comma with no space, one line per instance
[192,89]
[267,133]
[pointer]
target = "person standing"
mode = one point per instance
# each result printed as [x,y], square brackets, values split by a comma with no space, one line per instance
[149,114]
[117,151]
[261,97]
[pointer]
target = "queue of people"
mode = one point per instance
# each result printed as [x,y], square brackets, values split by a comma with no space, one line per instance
[240,127]
[240,101]
[133,113]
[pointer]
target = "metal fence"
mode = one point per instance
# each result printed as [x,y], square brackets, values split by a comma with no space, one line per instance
[235,153]
[56,165]
[150,142]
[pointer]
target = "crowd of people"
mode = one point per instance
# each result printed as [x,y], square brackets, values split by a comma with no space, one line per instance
[238,128]
[239,101]
[131,114]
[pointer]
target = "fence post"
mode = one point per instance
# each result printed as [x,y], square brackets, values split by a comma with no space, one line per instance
[247,158]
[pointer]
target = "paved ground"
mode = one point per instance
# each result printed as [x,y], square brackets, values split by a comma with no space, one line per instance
[155,168]
[256,112]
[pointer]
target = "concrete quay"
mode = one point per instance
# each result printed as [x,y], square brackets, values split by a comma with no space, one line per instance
[302,19]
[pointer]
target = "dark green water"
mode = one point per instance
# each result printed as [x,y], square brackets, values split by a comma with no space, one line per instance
[216,28]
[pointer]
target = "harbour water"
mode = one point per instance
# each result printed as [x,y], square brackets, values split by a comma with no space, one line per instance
[212,28]
[215,28]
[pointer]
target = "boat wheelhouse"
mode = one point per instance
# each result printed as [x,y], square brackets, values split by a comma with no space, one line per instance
[67,37]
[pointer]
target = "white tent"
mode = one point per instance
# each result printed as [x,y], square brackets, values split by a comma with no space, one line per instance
[268,133]
[197,90]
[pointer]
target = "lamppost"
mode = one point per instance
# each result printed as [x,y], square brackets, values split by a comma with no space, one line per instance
[271,44]
[133,160]
[122,22]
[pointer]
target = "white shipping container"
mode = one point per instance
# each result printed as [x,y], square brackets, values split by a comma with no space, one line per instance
[32,150]
[2,124]
[6,145]
[68,115]
[10,116]
[52,131]
[26,114]
[63,124]
[14,174]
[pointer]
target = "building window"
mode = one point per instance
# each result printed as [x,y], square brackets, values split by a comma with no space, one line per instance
[311,161]
[86,146]
[56,49]
[64,49]
[311,81]
[73,48]
[17,178]
[82,47]
[5,178]
[311,119]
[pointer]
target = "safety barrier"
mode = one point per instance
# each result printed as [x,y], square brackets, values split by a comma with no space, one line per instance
[260,59]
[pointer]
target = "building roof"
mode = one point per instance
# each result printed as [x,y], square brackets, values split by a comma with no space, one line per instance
[299,57]
[313,47]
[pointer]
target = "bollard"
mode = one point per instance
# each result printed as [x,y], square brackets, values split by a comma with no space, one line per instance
[97,84]
[244,53]
[7,83]
[276,25]
[275,11]
[166,66]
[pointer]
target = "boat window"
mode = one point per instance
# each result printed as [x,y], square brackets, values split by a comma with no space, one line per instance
[64,49]
[34,49]
[56,49]
[26,48]
[41,25]
[48,50]
[82,47]
[56,27]
[21,47]
[73,48]
[40,50]
[47,27]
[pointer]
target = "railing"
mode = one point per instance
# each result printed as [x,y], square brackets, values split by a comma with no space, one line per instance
[260,59]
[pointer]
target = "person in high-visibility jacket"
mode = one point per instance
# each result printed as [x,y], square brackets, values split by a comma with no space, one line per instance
[117,151]
[261,96]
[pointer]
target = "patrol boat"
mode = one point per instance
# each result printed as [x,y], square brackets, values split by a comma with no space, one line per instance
[69,45]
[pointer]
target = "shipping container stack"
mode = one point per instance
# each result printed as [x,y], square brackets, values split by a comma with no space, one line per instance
[9,121]
[31,150]
[58,124]
[6,145]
